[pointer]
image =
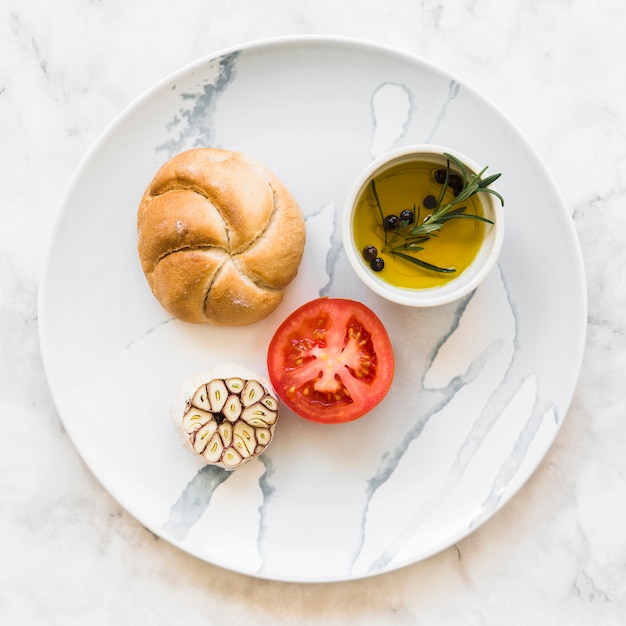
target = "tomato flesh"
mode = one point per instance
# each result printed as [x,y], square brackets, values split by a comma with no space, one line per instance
[331,360]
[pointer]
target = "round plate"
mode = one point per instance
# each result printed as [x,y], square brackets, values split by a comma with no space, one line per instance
[481,387]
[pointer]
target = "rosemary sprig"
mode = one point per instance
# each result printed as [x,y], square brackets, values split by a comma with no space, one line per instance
[409,238]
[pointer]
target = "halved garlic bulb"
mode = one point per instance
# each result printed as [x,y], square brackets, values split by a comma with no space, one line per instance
[229,419]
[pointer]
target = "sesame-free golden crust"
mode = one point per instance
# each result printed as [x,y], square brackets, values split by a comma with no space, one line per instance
[219,237]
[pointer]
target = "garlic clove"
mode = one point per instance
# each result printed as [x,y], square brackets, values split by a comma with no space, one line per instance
[235,385]
[252,392]
[218,394]
[270,402]
[195,418]
[232,408]
[259,415]
[244,439]
[257,422]
[231,459]
[263,436]
[202,436]
[226,433]
[201,399]
[214,449]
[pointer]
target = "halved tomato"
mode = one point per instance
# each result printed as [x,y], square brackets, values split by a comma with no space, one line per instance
[331,360]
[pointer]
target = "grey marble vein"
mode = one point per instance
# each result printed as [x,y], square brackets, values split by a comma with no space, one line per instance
[195,124]
[194,500]
[268,491]
[334,254]
[453,92]
[148,332]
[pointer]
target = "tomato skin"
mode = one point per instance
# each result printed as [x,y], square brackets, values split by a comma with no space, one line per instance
[331,360]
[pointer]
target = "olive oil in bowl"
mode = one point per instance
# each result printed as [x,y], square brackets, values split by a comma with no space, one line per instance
[421,226]
[405,187]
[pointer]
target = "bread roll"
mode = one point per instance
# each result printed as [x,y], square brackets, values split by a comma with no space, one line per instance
[220,237]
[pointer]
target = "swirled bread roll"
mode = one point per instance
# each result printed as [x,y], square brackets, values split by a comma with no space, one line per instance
[220,237]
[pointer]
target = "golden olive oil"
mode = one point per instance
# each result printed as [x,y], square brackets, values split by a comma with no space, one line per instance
[405,186]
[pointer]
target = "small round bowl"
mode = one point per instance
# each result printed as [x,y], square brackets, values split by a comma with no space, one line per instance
[457,287]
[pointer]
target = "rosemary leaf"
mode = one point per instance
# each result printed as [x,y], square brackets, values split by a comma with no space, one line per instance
[467,216]
[485,182]
[493,192]
[459,164]
[425,228]
[380,209]
[424,264]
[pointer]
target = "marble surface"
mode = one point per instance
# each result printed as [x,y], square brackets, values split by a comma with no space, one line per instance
[555,554]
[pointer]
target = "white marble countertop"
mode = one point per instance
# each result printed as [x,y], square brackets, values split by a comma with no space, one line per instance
[70,554]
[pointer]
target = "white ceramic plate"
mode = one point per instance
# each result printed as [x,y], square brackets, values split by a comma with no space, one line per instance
[481,386]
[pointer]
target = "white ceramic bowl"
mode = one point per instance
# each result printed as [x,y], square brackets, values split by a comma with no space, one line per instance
[467,280]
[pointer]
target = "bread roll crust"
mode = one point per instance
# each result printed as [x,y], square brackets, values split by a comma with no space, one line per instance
[219,237]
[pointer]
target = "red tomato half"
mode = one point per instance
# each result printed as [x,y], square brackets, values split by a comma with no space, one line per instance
[331,360]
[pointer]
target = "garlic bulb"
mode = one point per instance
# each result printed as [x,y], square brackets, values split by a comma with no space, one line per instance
[228,419]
